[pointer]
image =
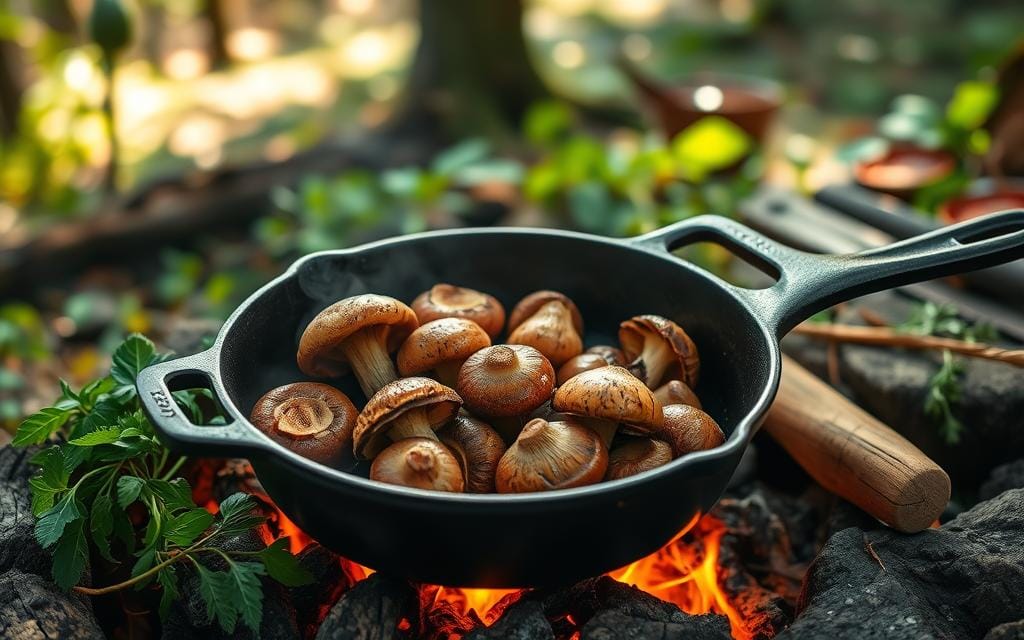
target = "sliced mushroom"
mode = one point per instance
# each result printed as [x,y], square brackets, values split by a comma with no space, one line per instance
[688,429]
[357,332]
[442,346]
[611,355]
[578,364]
[477,447]
[405,408]
[551,455]
[449,301]
[418,462]
[636,456]
[551,331]
[505,380]
[609,396]
[314,420]
[676,392]
[657,346]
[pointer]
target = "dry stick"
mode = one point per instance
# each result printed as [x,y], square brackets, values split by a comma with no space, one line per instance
[889,337]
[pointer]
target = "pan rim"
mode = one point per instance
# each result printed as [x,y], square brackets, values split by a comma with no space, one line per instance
[737,441]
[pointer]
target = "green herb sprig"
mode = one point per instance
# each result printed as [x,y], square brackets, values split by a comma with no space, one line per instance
[107,458]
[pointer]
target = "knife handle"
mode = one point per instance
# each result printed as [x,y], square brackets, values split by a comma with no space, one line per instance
[853,455]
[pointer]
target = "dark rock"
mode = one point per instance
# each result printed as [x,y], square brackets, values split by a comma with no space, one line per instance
[314,600]
[586,598]
[524,620]
[1008,631]
[958,581]
[613,624]
[844,515]
[33,608]
[371,610]
[1003,478]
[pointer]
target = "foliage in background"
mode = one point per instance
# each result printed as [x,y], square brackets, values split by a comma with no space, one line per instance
[107,461]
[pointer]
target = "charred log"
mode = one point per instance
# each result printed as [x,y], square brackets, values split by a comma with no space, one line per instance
[521,621]
[314,601]
[32,607]
[612,624]
[371,610]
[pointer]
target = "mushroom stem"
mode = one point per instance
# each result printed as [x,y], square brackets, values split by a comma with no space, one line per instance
[411,424]
[368,356]
[651,364]
[448,372]
[604,428]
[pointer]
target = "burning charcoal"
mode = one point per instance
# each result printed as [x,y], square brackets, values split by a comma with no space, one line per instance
[522,621]
[440,619]
[33,607]
[612,624]
[958,581]
[1008,631]
[585,599]
[1003,478]
[371,610]
[314,600]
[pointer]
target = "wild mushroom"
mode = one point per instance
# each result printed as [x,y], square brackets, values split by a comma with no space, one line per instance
[578,364]
[549,322]
[505,380]
[611,355]
[657,346]
[636,456]
[357,332]
[442,346]
[314,420]
[405,408]
[418,462]
[687,429]
[449,301]
[607,397]
[477,447]
[676,392]
[551,455]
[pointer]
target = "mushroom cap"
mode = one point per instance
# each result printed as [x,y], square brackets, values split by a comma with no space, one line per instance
[610,393]
[449,301]
[612,355]
[314,420]
[676,392]
[636,456]
[319,347]
[477,447]
[439,402]
[438,341]
[551,332]
[551,455]
[418,462]
[505,380]
[578,364]
[633,333]
[532,303]
[687,429]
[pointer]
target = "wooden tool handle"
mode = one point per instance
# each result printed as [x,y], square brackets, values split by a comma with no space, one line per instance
[853,455]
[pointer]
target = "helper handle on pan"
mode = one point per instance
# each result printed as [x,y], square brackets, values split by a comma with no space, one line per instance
[229,440]
[808,283]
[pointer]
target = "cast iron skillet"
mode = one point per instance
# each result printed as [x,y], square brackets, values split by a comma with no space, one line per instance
[560,536]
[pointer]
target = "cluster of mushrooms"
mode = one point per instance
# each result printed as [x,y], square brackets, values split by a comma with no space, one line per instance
[459,413]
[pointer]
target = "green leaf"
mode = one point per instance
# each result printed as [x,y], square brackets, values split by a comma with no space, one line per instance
[40,425]
[104,414]
[51,480]
[128,488]
[70,556]
[283,566]
[710,144]
[187,401]
[101,524]
[98,437]
[109,26]
[175,494]
[92,391]
[146,561]
[135,354]
[51,524]
[462,155]
[236,514]
[245,583]
[183,529]
[168,579]
[971,104]
[216,590]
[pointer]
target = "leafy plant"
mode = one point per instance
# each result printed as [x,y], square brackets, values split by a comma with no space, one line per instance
[944,393]
[108,461]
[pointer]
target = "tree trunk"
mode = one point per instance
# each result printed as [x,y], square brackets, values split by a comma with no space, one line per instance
[10,89]
[216,16]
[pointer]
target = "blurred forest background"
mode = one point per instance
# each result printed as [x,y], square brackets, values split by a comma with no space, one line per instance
[160,159]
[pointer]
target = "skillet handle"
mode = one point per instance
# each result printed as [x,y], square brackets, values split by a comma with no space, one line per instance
[807,282]
[233,439]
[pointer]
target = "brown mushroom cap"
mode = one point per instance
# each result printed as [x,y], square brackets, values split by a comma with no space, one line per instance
[610,393]
[505,380]
[320,352]
[477,447]
[532,303]
[612,355]
[578,364]
[314,420]
[438,342]
[397,399]
[550,330]
[676,392]
[688,429]
[551,455]
[658,347]
[418,462]
[449,301]
[636,456]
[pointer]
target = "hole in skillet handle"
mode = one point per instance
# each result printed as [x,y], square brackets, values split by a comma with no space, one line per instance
[193,392]
[707,249]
